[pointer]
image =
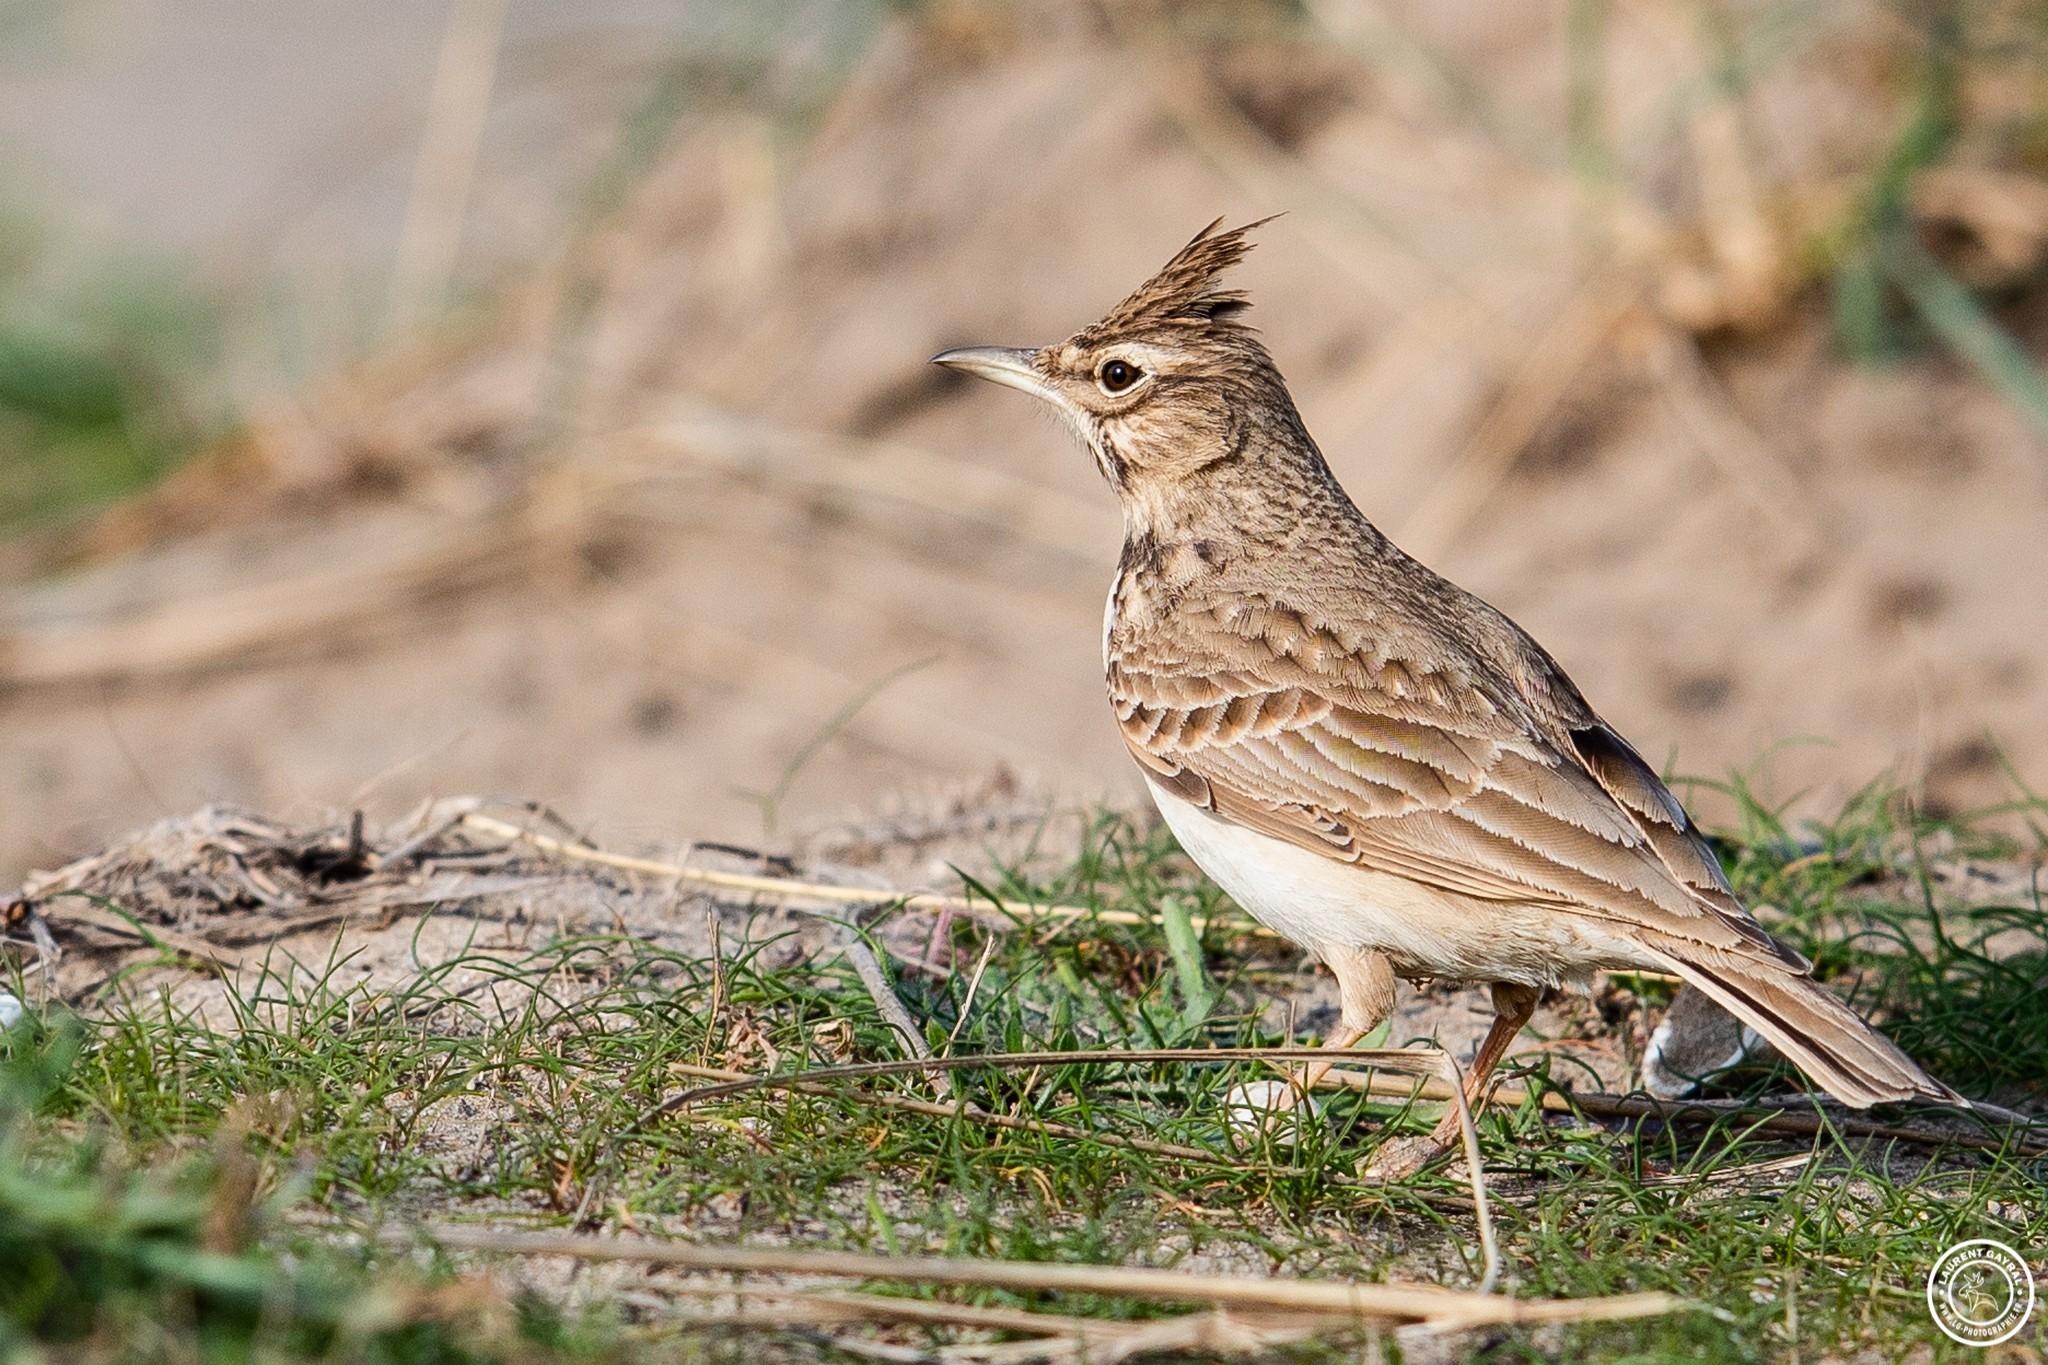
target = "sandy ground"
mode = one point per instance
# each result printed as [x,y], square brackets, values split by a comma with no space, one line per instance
[635,541]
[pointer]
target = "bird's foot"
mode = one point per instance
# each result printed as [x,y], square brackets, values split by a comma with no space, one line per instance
[1400,1157]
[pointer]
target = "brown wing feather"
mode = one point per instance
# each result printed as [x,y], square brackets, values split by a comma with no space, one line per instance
[1457,782]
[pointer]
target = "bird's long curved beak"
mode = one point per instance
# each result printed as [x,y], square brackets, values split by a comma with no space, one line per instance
[1007,365]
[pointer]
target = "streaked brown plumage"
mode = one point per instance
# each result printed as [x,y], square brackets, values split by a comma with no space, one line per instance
[1291,683]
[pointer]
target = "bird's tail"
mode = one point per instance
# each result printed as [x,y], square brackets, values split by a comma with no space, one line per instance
[1806,1022]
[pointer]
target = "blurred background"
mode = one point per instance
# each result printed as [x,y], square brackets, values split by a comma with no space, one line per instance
[414,397]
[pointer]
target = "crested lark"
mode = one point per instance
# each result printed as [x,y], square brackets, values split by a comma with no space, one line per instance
[1372,761]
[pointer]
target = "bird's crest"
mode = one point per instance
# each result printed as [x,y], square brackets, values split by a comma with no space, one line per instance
[1184,293]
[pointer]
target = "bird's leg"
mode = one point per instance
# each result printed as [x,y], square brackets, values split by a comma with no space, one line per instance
[1365,990]
[1512,1006]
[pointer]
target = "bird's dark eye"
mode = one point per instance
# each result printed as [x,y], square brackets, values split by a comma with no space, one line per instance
[1118,375]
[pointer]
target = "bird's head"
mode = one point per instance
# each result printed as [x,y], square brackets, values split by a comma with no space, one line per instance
[1170,385]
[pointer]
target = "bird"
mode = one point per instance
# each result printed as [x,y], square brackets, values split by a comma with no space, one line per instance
[1373,762]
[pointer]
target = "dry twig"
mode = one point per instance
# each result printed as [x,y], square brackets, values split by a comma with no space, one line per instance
[786,888]
[871,976]
[1803,1123]
[1054,1336]
[1401,1304]
[446,165]
[970,1112]
[87,910]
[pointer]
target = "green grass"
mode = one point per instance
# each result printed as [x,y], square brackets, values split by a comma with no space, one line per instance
[172,1188]
[105,381]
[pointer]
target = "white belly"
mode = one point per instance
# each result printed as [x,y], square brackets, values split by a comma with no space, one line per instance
[1323,904]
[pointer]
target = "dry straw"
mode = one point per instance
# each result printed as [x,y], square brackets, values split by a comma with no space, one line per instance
[1349,1301]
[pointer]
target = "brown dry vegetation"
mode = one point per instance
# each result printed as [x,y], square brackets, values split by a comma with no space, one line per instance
[633,537]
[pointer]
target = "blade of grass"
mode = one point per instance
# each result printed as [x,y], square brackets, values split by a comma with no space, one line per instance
[1960,320]
[1197,999]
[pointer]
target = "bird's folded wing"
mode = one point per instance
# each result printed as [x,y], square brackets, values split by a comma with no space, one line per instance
[1456,783]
